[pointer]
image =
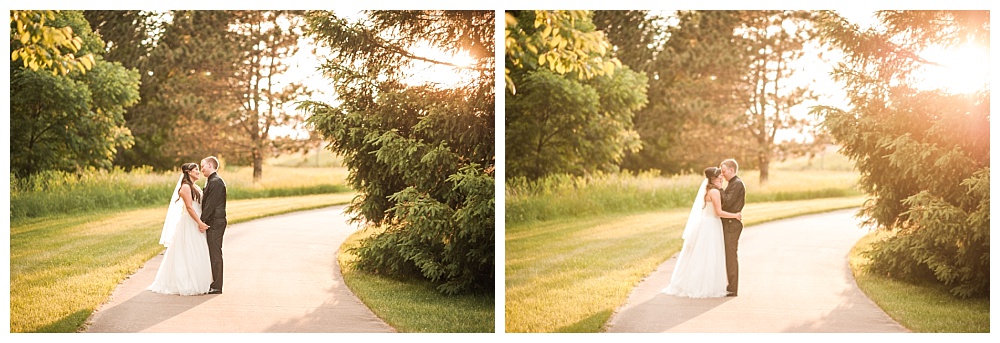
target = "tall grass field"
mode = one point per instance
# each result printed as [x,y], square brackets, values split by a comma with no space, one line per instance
[58,192]
[560,196]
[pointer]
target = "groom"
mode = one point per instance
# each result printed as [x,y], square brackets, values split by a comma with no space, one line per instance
[214,215]
[733,199]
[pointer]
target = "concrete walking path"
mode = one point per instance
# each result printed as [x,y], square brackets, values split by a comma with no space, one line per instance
[281,275]
[794,277]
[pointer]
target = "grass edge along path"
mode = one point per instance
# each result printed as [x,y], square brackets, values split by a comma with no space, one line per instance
[571,274]
[918,307]
[415,305]
[63,267]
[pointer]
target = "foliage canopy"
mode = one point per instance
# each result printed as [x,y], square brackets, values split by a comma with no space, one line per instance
[564,116]
[69,121]
[44,43]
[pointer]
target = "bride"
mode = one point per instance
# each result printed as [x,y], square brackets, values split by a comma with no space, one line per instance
[185,268]
[701,266]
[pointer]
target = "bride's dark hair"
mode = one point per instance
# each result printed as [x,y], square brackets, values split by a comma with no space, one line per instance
[185,168]
[711,173]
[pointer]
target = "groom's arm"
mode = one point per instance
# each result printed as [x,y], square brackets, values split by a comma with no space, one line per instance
[739,196]
[220,199]
[208,203]
[734,197]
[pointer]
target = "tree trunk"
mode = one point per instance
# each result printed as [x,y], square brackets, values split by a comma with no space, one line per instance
[258,169]
[764,159]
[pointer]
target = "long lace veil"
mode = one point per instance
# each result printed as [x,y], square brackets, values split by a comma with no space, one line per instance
[174,212]
[694,219]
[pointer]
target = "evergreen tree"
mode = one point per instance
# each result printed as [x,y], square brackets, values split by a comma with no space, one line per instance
[421,155]
[923,155]
[185,59]
[695,68]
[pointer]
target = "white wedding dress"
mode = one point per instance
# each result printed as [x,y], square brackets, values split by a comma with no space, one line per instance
[185,269]
[701,265]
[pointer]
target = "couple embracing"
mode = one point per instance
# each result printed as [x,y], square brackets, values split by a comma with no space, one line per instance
[192,233]
[707,266]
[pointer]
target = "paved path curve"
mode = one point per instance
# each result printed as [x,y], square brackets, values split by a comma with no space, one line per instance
[794,277]
[281,275]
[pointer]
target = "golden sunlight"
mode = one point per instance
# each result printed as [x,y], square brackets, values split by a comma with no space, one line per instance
[443,75]
[462,60]
[964,69]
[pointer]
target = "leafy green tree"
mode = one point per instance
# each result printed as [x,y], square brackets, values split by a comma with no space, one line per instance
[558,124]
[73,121]
[567,120]
[553,40]
[923,155]
[421,156]
[43,44]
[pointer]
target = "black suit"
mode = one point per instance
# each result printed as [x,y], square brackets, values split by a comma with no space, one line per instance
[733,199]
[213,213]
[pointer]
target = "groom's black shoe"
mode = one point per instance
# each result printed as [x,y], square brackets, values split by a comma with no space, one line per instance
[215,291]
[728,294]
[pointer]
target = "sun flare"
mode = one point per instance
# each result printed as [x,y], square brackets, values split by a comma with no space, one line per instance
[462,60]
[452,72]
[964,69]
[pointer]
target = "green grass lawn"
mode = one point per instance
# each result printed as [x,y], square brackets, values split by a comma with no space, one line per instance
[414,305]
[570,274]
[63,266]
[920,308]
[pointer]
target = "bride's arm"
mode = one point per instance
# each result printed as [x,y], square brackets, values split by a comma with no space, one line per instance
[185,192]
[716,199]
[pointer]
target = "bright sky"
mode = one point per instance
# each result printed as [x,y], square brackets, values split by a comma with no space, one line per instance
[962,70]
[305,65]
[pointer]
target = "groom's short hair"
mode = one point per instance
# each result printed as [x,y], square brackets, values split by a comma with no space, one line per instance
[212,160]
[731,163]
